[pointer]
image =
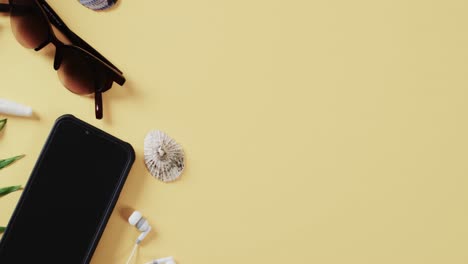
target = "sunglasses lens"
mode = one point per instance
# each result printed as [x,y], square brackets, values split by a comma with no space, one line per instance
[79,73]
[28,24]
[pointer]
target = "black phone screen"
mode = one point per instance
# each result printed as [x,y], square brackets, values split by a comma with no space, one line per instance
[72,189]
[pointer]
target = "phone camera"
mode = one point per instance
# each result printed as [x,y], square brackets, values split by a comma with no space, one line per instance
[87,132]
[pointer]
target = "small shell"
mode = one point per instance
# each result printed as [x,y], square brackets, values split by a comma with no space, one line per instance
[98,4]
[164,158]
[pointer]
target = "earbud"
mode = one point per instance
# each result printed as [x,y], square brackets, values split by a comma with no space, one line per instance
[137,220]
[168,260]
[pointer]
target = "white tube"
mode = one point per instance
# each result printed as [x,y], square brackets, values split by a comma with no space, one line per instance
[11,108]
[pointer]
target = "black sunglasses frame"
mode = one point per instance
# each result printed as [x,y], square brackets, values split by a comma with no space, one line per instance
[109,72]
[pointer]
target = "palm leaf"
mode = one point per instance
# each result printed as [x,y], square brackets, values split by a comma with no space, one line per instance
[6,162]
[10,189]
[2,123]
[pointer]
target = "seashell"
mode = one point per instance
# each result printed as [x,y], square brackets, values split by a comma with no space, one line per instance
[98,4]
[164,158]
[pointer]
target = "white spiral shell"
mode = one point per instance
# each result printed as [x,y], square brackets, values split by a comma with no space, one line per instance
[164,158]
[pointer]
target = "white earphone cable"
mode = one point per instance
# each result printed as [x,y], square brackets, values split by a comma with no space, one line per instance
[132,254]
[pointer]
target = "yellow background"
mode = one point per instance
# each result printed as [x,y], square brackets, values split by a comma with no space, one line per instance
[315,131]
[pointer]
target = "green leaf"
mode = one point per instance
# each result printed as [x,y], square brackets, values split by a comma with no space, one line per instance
[10,189]
[2,123]
[6,162]
[2,229]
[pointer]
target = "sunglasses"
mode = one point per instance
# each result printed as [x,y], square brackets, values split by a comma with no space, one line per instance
[81,69]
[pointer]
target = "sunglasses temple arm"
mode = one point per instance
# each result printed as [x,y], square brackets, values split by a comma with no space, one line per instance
[98,105]
[58,22]
[76,40]
[5,8]
[82,44]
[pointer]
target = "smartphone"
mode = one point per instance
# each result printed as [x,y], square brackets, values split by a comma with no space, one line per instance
[69,197]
